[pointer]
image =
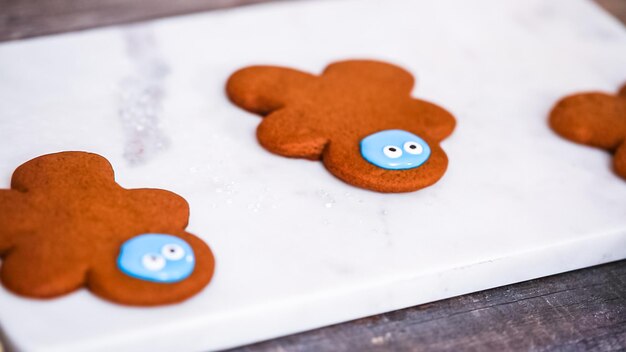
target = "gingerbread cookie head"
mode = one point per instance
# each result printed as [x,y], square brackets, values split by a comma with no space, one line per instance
[357,117]
[595,119]
[66,224]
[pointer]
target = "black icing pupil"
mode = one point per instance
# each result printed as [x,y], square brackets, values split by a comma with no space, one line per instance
[412,146]
[392,149]
[172,250]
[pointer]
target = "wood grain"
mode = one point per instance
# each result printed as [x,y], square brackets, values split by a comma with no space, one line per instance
[584,310]
[616,7]
[30,18]
[21,19]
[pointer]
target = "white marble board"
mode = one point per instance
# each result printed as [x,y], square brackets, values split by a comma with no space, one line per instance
[296,248]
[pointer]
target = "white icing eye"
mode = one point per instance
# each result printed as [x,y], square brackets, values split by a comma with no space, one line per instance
[413,148]
[153,262]
[393,152]
[173,252]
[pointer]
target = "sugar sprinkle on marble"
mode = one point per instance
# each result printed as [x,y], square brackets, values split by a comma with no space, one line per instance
[141,95]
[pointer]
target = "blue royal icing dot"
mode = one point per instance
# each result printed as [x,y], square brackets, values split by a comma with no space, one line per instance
[395,150]
[156,257]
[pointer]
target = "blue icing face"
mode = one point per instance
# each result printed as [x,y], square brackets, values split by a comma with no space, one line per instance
[395,150]
[156,257]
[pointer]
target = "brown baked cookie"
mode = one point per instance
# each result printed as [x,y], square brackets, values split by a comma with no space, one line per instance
[357,117]
[65,224]
[595,119]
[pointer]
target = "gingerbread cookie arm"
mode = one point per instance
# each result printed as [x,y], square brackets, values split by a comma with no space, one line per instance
[263,89]
[594,119]
[282,132]
[107,281]
[380,75]
[622,92]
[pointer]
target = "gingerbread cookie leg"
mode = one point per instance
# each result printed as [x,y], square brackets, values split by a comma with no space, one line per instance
[431,121]
[279,134]
[171,214]
[13,208]
[619,160]
[263,89]
[43,271]
[356,72]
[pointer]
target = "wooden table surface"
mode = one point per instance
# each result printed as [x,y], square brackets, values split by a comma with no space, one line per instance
[575,311]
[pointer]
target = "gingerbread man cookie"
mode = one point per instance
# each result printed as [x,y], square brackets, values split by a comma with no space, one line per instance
[357,117]
[66,224]
[595,119]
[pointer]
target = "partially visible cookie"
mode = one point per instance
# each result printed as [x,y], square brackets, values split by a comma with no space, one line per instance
[66,224]
[357,117]
[595,119]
